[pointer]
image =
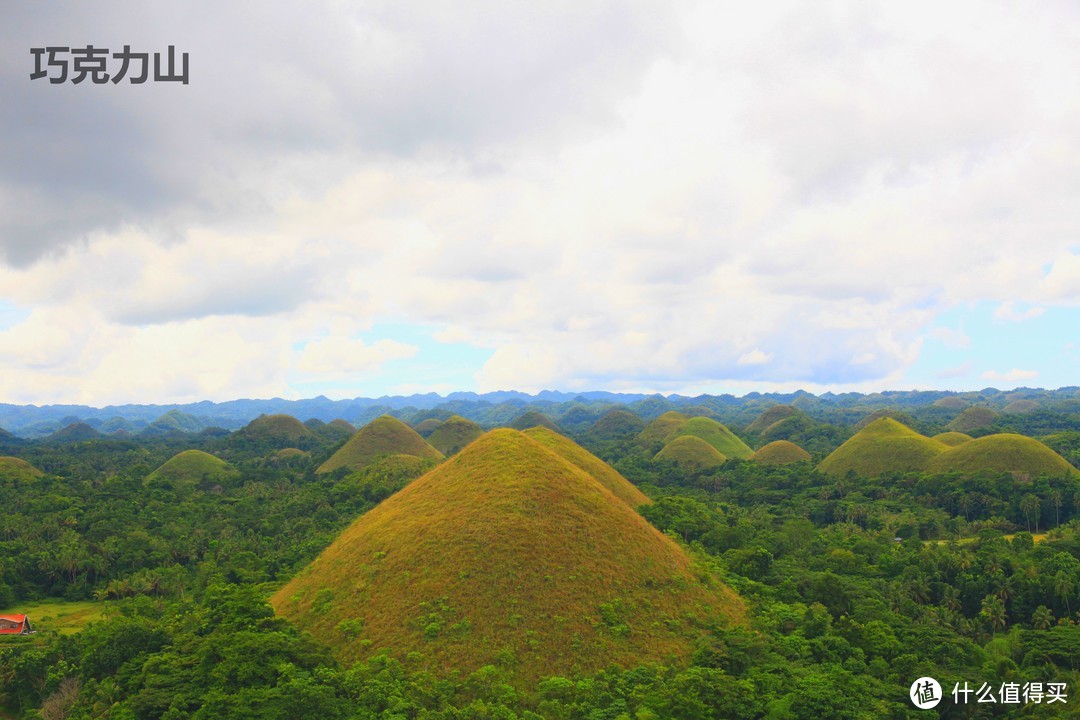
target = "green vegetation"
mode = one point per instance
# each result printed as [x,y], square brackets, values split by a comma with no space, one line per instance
[883,446]
[425,427]
[691,453]
[657,432]
[771,416]
[616,424]
[1002,453]
[383,436]
[151,598]
[1020,407]
[13,468]
[454,434]
[780,452]
[59,616]
[519,548]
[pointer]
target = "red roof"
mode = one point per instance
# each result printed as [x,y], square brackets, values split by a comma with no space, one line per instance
[20,623]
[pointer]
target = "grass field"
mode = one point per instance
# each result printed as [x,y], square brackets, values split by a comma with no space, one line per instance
[1037,537]
[63,617]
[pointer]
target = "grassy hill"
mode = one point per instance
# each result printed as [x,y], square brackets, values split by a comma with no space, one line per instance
[454,434]
[712,432]
[691,453]
[1004,452]
[75,432]
[534,419]
[657,432]
[780,452]
[882,446]
[952,438]
[608,476]
[1020,407]
[771,415]
[13,468]
[425,427]
[283,430]
[615,424]
[508,555]
[384,435]
[973,418]
[190,468]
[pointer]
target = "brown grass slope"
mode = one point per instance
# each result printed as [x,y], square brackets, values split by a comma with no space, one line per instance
[454,434]
[607,476]
[691,453]
[1020,407]
[507,555]
[13,468]
[780,452]
[1003,452]
[882,446]
[952,438]
[283,429]
[382,436]
[973,418]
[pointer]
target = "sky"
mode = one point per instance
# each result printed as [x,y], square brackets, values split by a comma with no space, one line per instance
[368,198]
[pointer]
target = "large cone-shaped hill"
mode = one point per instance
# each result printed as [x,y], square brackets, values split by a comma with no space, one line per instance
[190,468]
[382,436]
[608,476]
[882,446]
[780,452]
[691,453]
[507,554]
[454,434]
[13,468]
[1004,452]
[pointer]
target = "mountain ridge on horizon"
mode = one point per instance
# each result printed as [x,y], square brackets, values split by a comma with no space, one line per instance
[33,421]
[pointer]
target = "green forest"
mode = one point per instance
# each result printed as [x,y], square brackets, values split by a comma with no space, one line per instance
[859,549]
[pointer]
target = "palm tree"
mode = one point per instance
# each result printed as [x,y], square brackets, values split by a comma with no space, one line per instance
[1042,618]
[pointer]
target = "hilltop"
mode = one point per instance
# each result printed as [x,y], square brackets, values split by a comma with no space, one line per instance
[616,424]
[608,476]
[383,436]
[691,453]
[508,555]
[283,430]
[780,452]
[190,468]
[454,434]
[882,446]
[534,419]
[717,435]
[973,418]
[952,438]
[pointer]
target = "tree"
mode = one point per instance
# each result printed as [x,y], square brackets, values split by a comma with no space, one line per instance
[1042,618]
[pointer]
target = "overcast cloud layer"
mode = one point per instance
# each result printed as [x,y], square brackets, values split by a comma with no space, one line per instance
[608,195]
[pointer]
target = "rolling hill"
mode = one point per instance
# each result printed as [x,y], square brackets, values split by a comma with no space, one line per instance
[608,476]
[454,434]
[1003,452]
[189,468]
[780,452]
[383,436]
[691,453]
[13,468]
[882,446]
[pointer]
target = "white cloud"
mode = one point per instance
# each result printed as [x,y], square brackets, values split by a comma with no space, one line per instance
[1007,311]
[1013,375]
[337,357]
[754,357]
[819,183]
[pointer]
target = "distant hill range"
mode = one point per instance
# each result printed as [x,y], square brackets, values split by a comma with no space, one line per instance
[562,409]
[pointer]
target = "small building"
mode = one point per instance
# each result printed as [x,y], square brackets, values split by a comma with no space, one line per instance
[15,625]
